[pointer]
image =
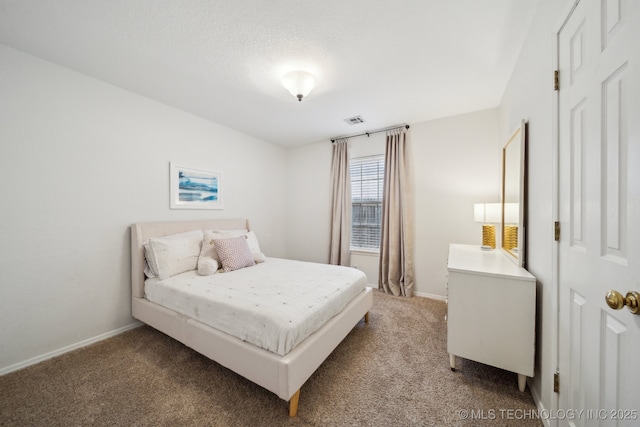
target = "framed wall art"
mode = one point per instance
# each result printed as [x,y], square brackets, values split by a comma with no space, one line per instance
[193,188]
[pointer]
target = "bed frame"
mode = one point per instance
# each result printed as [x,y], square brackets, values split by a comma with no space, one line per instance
[282,375]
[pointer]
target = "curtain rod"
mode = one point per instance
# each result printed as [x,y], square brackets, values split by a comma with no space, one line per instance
[369,133]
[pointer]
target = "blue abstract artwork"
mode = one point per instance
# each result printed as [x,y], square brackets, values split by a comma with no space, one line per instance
[195,188]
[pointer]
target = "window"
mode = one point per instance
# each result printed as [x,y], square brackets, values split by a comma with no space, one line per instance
[367,178]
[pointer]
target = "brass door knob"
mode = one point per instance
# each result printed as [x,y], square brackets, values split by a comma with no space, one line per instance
[616,301]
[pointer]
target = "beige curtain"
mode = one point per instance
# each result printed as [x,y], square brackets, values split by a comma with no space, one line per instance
[340,249]
[396,272]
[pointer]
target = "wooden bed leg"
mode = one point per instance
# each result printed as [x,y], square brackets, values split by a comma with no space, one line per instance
[366,317]
[293,404]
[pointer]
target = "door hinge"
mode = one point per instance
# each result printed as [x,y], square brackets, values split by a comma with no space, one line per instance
[556,382]
[556,231]
[556,80]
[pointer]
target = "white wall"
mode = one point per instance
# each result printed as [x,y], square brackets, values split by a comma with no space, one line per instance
[308,196]
[529,95]
[456,164]
[81,160]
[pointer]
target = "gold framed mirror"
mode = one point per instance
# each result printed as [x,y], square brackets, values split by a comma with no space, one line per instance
[514,194]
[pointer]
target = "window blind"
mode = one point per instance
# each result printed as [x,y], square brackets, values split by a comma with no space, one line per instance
[367,180]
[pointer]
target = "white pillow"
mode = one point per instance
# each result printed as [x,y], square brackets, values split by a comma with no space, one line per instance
[174,254]
[148,272]
[207,266]
[254,247]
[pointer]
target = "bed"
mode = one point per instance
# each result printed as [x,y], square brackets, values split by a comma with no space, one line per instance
[283,374]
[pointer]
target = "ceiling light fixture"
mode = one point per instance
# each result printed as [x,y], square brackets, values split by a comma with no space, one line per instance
[299,83]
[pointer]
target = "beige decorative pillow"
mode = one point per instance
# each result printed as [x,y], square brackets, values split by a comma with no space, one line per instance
[252,240]
[234,253]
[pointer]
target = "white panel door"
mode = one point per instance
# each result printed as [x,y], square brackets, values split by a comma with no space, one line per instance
[599,211]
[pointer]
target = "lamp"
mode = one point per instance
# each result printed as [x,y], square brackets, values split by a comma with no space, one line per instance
[511,220]
[488,214]
[299,83]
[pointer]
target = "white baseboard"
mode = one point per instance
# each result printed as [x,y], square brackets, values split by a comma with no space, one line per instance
[420,294]
[60,351]
[431,296]
[536,399]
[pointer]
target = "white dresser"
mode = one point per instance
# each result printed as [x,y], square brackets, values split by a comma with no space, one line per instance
[491,310]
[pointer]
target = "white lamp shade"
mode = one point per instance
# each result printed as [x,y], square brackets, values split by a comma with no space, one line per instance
[299,83]
[487,213]
[511,213]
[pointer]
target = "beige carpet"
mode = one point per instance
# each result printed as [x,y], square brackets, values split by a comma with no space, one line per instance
[393,371]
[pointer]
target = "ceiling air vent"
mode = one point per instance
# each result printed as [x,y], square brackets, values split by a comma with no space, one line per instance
[354,120]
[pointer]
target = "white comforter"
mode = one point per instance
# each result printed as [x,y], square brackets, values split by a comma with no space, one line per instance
[274,305]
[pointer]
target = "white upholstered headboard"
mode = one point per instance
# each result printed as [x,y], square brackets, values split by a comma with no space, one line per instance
[144,231]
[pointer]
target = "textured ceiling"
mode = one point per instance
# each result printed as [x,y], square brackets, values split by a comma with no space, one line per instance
[389,61]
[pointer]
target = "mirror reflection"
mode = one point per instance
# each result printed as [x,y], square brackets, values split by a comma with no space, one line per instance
[512,194]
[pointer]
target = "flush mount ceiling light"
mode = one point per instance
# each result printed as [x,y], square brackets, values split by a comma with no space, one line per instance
[299,83]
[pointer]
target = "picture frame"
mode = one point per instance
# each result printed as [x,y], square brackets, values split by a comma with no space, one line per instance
[193,188]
